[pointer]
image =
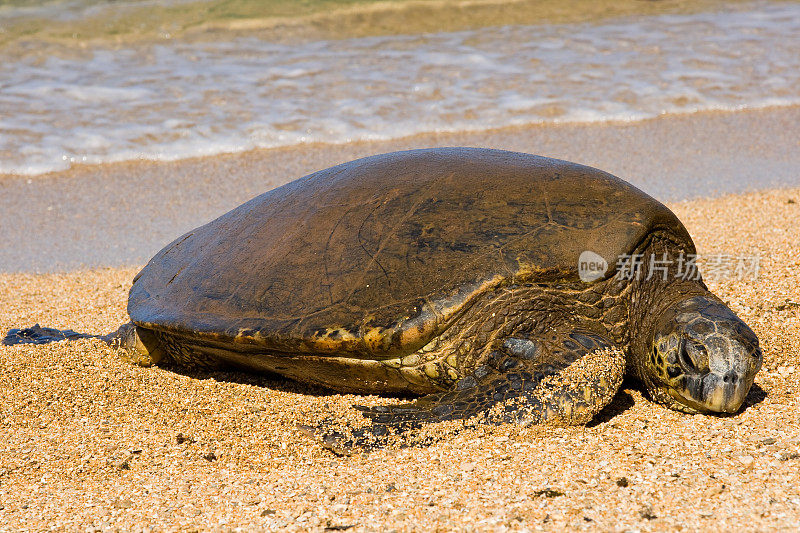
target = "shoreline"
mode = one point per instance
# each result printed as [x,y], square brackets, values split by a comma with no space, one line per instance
[405,140]
[94,441]
[122,213]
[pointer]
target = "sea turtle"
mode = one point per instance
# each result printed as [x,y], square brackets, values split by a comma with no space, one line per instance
[501,284]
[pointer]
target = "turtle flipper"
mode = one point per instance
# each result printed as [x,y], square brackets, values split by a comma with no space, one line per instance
[564,380]
[39,335]
[136,345]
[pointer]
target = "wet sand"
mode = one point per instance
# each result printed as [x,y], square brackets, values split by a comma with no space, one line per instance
[121,214]
[93,443]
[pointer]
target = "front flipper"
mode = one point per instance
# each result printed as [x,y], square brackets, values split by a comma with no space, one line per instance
[565,380]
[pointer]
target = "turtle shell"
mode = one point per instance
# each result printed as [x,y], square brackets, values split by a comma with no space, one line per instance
[375,257]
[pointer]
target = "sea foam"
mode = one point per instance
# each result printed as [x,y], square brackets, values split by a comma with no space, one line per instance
[181,100]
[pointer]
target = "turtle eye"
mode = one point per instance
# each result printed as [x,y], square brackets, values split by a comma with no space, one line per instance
[685,359]
[693,356]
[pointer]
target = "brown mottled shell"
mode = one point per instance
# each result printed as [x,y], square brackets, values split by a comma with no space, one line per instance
[373,258]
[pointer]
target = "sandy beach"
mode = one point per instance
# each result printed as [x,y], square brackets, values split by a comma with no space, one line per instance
[92,443]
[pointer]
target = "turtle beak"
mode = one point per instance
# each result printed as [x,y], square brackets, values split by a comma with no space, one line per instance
[712,392]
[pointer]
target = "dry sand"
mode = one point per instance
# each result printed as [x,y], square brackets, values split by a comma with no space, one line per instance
[90,442]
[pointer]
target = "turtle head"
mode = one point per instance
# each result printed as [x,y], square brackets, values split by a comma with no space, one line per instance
[702,358]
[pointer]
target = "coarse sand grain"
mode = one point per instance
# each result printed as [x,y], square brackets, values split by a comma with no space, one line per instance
[90,442]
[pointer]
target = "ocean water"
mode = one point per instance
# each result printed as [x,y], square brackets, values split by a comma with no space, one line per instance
[184,99]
